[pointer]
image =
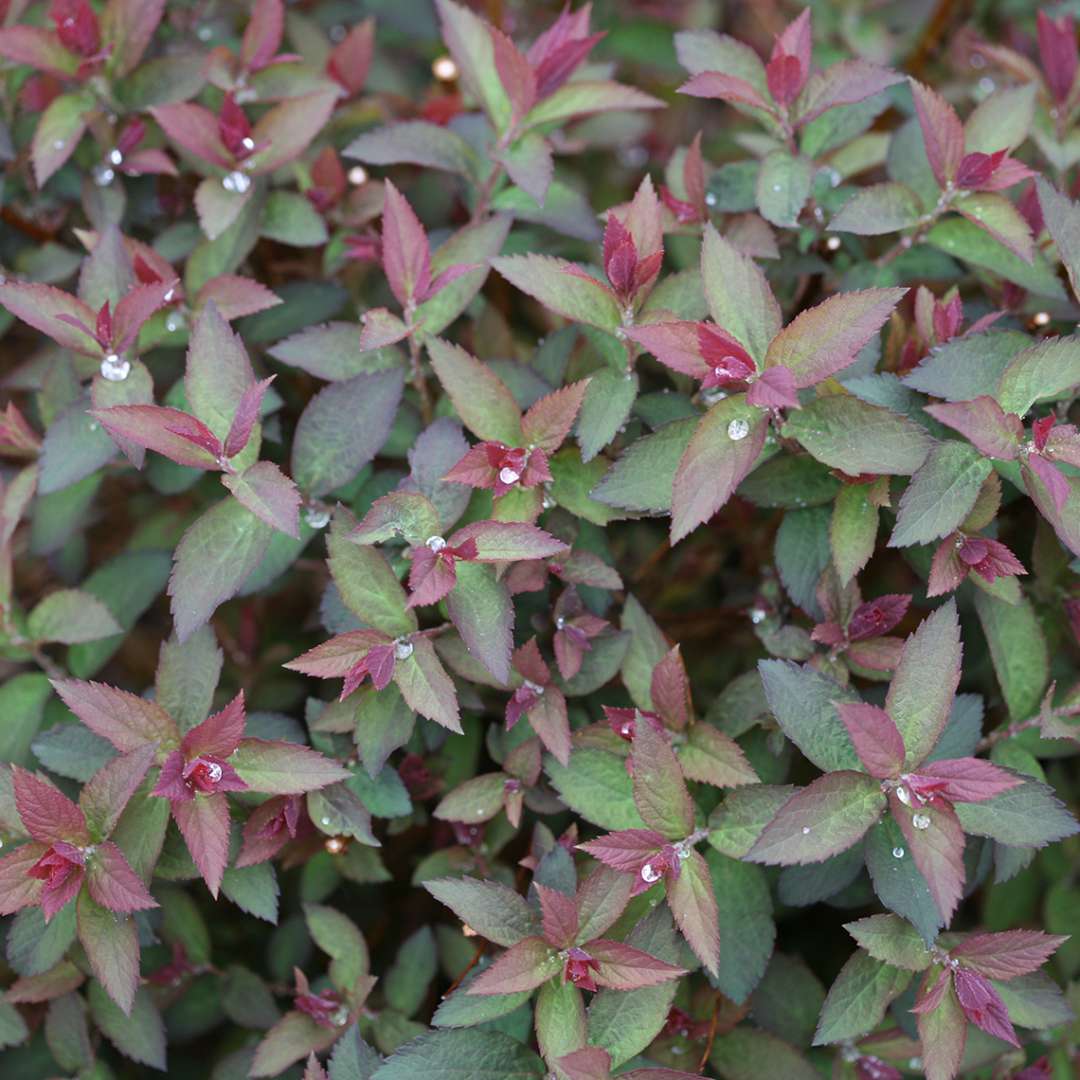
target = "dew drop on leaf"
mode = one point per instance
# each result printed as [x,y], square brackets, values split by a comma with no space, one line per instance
[920,821]
[898,852]
[738,429]
[649,874]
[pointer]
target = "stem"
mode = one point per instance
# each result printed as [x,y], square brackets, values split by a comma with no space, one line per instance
[924,225]
[1007,732]
[48,665]
[483,200]
[418,379]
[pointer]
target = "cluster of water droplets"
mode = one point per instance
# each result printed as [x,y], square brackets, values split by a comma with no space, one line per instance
[238,182]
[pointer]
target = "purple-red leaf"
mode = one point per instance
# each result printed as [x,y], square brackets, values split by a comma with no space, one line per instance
[982,1005]
[623,967]
[935,839]
[524,966]
[1009,954]
[874,736]
[693,904]
[405,249]
[126,720]
[204,825]
[174,434]
[943,134]
[47,814]
[112,882]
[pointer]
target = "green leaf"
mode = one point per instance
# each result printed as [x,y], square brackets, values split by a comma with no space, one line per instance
[352,1058]
[338,936]
[1028,816]
[480,397]
[426,687]
[747,1053]
[253,889]
[852,530]
[783,186]
[492,909]
[1062,219]
[846,433]
[1044,371]
[290,218]
[139,1035]
[647,648]
[572,482]
[70,616]
[342,428]
[921,693]
[802,553]
[332,351]
[1018,650]
[368,586]
[803,702]
[187,676]
[13,1029]
[559,1019]
[59,131]
[736,824]
[998,217]
[738,295]
[563,288]
[941,494]
[291,1039]
[416,142]
[891,940]
[112,947]
[878,209]
[967,367]
[821,820]
[660,793]
[596,786]
[643,477]
[407,981]
[462,1054]
[608,401]
[857,1000]
[747,930]
[213,559]
[481,609]
[897,881]
[22,704]
[470,43]
[34,946]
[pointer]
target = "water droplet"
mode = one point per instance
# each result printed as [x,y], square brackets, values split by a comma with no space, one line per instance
[402,649]
[58,144]
[806,830]
[536,688]
[115,368]
[248,143]
[897,852]
[758,615]
[738,429]
[169,295]
[986,84]
[173,323]
[710,198]
[776,187]
[237,182]
[324,821]
[508,476]
[444,69]
[358,175]
[317,517]
[920,821]
[435,543]
[213,772]
[649,874]
[340,1016]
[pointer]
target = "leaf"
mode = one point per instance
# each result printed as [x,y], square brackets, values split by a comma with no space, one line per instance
[127,721]
[942,1034]
[286,129]
[204,824]
[643,477]
[821,820]
[935,839]
[216,554]
[269,494]
[464,1053]
[341,940]
[1000,219]
[1042,372]
[711,757]
[857,1000]
[138,1033]
[480,398]
[253,889]
[878,209]
[783,186]
[332,351]
[110,789]
[852,530]
[943,134]
[112,947]
[368,586]
[941,494]
[921,693]
[875,737]
[804,704]
[524,966]
[693,904]
[291,1039]
[846,433]
[747,1053]
[284,768]
[738,295]
[470,43]
[490,908]
[342,428]
[563,288]
[41,306]
[559,1019]
[1063,223]
[113,884]
[416,142]
[426,687]
[1028,816]
[596,786]
[583,97]
[660,792]
[58,133]
[723,449]
[1018,651]
[891,940]
[1007,955]
[966,367]
[70,616]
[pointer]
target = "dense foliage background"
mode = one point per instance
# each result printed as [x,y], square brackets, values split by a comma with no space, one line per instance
[539,543]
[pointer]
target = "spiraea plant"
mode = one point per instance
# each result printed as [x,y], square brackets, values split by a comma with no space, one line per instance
[539,541]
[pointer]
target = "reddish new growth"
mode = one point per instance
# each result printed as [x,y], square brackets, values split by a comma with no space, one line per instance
[326,1008]
[501,468]
[579,969]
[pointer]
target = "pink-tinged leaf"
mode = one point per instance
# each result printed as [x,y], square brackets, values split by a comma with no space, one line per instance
[47,814]
[623,967]
[169,432]
[109,790]
[549,420]
[821,820]
[983,423]
[942,1033]
[676,344]
[670,690]
[62,979]
[508,541]
[965,779]
[1009,954]
[921,693]
[247,415]
[660,792]
[480,397]
[730,88]
[844,83]
[112,947]
[39,48]
[135,307]
[711,757]
[935,839]
[129,722]
[127,28]
[825,339]
[878,616]
[194,129]
[269,494]
[112,882]
[17,888]
[55,313]
[874,736]
[381,328]
[204,825]
[285,131]
[426,687]
[313,1070]
[625,850]
[943,134]
[601,898]
[530,164]
[524,966]
[982,1005]
[516,75]
[562,287]
[350,59]
[1058,52]
[59,132]
[1054,481]
[431,577]
[588,1063]
[332,659]
[693,904]
[283,768]
[774,389]
[219,734]
[405,249]
[723,449]
[235,296]
[559,917]
[262,35]
[548,718]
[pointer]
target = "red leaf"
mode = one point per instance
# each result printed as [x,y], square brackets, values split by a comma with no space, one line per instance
[622,967]
[1057,50]
[350,59]
[983,1006]
[1009,954]
[943,134]
[235,296]
[17,888]
[332,659]
[966,779]
[516,75]
[406,253]
[126,720]
[549,420]
[47,813]
[54,312]
[112,882]
[262,35]
[135,307]
[625,850]
[195,129]
[247,414]
[169,432]
[269,494]
[774,389]
[431,576]
[984,424]
[670,690]
[693,904]
[219,734]
[524,966]
[204,825]
[714,84]
[559,915]
[874,736]
[936,841]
